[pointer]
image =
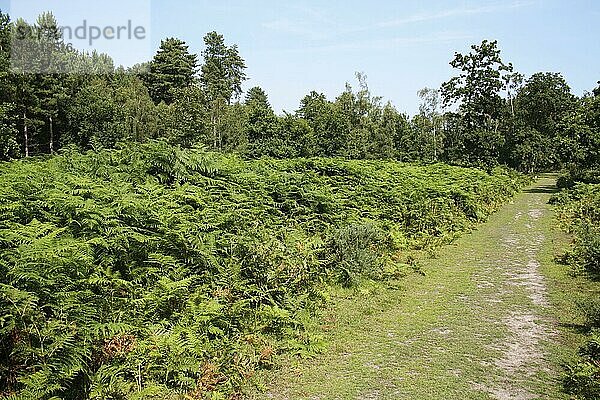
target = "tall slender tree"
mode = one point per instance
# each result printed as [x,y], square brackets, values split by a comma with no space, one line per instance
[52,77]
[429,111]
[222,75]
[25,59]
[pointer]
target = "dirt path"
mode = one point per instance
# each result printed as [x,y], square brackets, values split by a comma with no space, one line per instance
[476,326]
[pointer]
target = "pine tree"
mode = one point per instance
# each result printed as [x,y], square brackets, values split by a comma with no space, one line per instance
[51,80]
[222,75]
[172,70]
[262,122]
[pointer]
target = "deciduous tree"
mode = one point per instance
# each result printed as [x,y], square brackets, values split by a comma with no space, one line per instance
[476,90]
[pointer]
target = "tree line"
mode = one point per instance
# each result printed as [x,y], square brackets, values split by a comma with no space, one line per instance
[487,114]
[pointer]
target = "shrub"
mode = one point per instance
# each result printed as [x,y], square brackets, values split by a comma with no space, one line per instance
[583,378]
[579,209]
[570,179]
[357,250]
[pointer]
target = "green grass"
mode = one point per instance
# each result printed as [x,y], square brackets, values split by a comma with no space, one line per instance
[448,334]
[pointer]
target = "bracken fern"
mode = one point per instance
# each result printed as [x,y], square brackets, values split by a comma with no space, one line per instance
[155,272]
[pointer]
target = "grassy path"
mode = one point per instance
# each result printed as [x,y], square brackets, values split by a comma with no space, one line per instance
[478,325]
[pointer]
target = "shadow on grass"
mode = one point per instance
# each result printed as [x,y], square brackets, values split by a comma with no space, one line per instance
[545,189]
[580,329]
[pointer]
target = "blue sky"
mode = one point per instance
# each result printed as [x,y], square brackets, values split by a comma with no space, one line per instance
[292,48]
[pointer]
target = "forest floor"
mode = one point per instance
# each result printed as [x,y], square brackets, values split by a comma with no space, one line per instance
[489,318]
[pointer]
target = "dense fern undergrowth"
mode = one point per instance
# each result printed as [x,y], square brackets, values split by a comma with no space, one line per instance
[155,272]
[579,211]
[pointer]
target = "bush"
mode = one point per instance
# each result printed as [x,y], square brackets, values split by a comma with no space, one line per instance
[575,176]
[588,248]
[579,209]
[357,250]
[590,307]
[583,378]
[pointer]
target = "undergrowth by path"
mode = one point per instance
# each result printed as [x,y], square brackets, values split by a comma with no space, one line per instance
[155,272]
[491,318]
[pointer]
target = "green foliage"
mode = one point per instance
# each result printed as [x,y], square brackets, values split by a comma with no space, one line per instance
[318,112]
[296,136]
[583,378]
[477,87]
[223,71]
[263,129]
[36,92]
[539,125]
[356,125]
[590,307]
[221,78]
[155,272]
[172,69]
[580,212]
[9,148]
[471,147]
[184,121]
[576,175]
[579,137]
[107,111]
[427,126]
[543,101]
[534,126]
[528,150]
[358,250]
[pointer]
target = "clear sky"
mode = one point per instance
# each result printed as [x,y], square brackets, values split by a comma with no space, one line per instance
[293,47]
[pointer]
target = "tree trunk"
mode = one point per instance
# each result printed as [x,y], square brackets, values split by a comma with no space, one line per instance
[51,136]
[434,144]
[512,106]
[25,134]
[213,120]
[220,134]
